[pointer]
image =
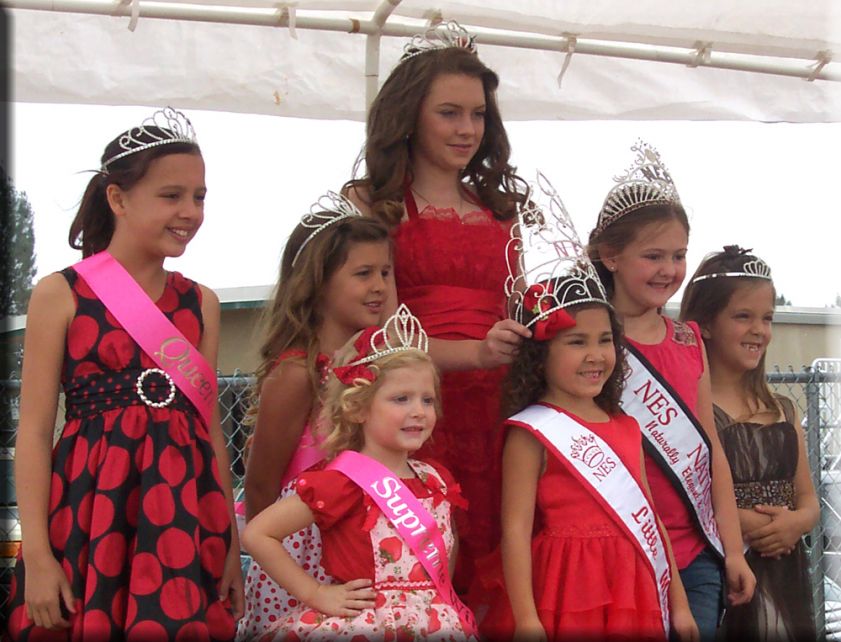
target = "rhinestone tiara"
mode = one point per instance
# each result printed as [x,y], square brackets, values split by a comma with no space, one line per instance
[646,182]
[753,267]
[402,331]
[327,210]
[551,262]
[170,126]
[444,35]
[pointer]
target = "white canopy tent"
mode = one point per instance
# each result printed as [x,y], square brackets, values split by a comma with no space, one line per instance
[761,60]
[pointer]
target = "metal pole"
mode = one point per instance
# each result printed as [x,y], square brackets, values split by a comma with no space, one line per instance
[816,550]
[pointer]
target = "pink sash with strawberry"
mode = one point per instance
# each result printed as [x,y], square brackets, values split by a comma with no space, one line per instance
[412,521]
[182,362]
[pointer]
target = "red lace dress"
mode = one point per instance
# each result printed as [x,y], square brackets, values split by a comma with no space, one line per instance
[590,582]
[451,271]
[137,515]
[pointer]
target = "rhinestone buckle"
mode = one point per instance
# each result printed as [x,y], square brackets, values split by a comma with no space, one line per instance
[138,386]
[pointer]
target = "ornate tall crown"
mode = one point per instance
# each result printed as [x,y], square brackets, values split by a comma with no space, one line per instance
[402,331]
[551,270]
[327,210]
[646,182]
[165,126]
[752,266]
[444,35]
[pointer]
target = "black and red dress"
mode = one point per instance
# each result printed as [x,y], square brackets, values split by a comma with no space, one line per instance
[137,514]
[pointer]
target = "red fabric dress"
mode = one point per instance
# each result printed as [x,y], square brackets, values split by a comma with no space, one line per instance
[678,358]
[359,542]
[590,582]
[137,515]
[451,272]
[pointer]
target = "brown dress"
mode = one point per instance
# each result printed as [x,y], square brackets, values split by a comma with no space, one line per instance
[763,460]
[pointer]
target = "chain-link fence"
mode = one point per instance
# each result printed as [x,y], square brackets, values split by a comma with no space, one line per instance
[816,392]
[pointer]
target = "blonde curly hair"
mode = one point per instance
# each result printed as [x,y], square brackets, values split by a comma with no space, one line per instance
[344,404]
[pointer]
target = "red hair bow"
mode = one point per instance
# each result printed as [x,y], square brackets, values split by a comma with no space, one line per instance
[539,298]
[353,371]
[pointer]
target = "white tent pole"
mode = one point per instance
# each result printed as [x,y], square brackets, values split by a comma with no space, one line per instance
[767,64]
[372,50]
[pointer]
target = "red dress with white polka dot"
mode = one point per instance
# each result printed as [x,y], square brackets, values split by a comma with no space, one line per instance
[137,515]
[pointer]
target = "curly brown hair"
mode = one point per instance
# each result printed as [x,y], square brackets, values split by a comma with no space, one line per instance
[344,404]
[526,380]
[391,125]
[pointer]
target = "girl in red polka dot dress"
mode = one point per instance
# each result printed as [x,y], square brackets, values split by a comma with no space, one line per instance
[335,279]
[127,520]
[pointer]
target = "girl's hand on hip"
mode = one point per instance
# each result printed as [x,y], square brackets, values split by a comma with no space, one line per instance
[344,600]
[501,343]
[46,588]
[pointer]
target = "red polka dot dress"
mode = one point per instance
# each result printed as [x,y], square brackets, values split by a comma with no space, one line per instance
[137,515]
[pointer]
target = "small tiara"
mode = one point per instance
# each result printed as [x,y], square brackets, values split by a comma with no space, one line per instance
[402,331]
[444,35]
[552,270]
[327,210]
[646,182]
[170,126]
[755,268]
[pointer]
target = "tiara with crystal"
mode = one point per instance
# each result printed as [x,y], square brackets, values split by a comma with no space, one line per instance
[165,126]
[444,35]
[402,331]
[551,270]
[327,210]
[752,267]
[646,182]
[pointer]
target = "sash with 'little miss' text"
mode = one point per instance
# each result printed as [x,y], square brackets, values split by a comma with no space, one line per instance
[413,522]
[674,438]
[591,460]
[153,332]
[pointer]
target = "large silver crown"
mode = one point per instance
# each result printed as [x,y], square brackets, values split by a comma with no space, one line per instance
[165,126]
[646,182]
[548,267]
[327,210]
[444,35]
[402,331]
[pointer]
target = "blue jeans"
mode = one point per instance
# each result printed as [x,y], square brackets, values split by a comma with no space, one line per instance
[704,584]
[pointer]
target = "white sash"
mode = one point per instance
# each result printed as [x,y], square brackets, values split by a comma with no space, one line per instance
[593,461]
[674,438]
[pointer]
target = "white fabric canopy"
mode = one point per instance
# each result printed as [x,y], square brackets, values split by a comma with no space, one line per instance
[300,59]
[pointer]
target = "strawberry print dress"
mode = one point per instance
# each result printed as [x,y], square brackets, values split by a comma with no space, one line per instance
[360,542]
[137,516]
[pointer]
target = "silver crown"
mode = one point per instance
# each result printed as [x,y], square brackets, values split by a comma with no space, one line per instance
[327,210]
[444,35]
[551,269]
[754,268]
[171,126]
[402,331]
[646,182]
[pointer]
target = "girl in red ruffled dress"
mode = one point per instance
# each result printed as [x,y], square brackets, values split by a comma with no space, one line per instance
[437,171]
[336,278]
[382,403]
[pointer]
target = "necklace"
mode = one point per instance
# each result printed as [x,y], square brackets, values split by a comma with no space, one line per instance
[460,200]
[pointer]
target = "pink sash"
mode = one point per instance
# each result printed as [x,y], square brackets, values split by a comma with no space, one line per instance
[153,332]
[412,521]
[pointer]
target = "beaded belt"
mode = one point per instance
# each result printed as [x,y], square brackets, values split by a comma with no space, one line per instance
[92,394]
[774,492]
